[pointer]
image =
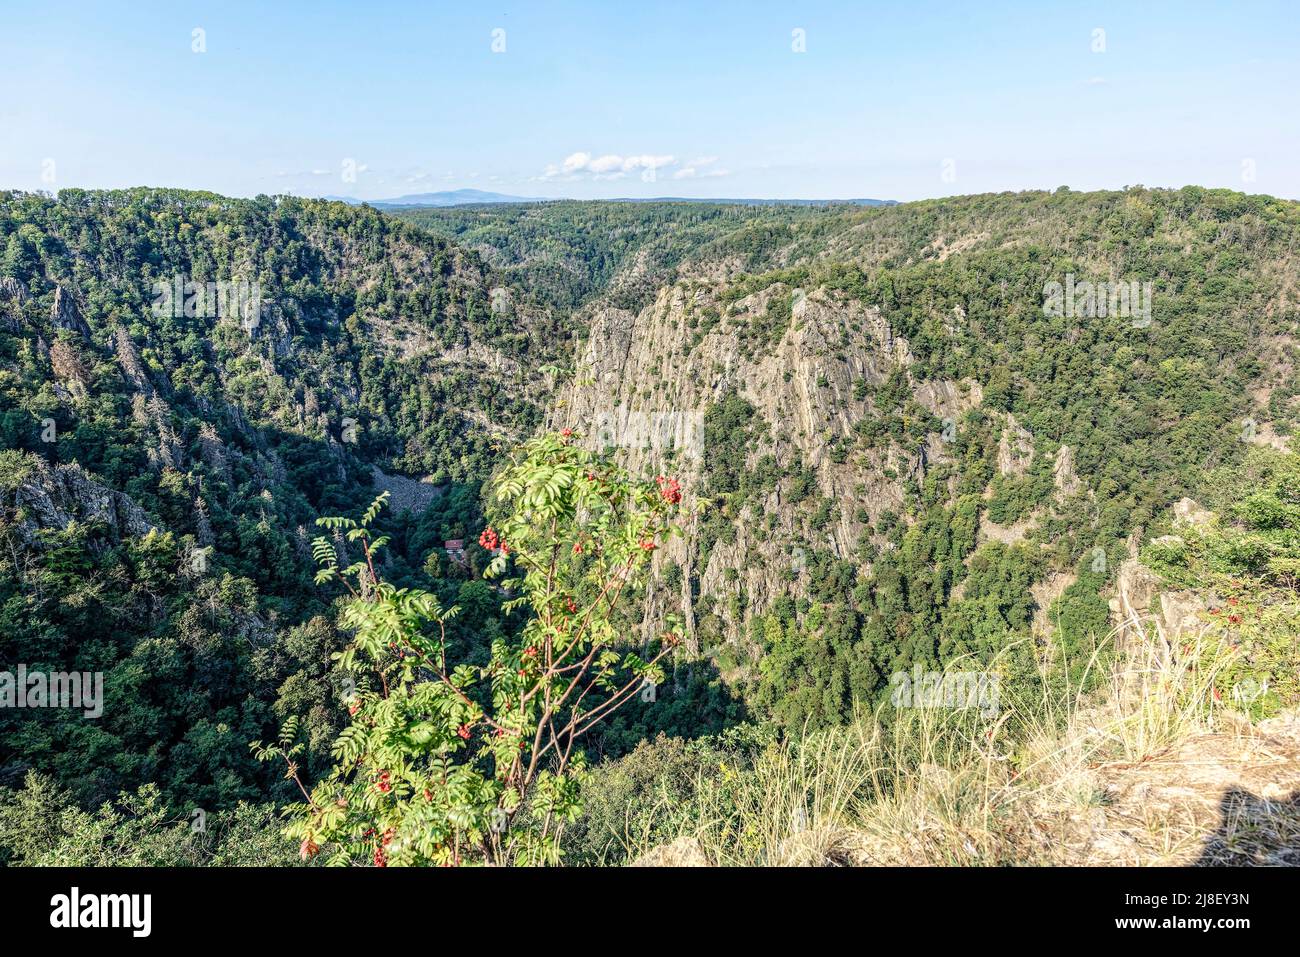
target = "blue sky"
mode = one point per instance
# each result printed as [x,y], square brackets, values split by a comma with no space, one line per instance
[891,100]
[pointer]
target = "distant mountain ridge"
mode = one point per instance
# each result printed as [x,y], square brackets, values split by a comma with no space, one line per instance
[730,201]
[453,197]
[470,197]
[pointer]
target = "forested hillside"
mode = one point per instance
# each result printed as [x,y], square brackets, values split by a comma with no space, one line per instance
[910,457]
[901,454]
[564,254]
[162,469]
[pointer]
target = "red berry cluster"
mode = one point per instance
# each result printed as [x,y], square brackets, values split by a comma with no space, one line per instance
[670,489]
[489,539]
[463,731]
[381,855]
[1233,618]
[383,784]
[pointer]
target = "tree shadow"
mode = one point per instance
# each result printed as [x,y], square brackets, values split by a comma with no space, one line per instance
[693,702]
[1254,831]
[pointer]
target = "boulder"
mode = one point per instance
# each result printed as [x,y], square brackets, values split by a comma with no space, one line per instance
[683,852]
[1188,512]
[53,496]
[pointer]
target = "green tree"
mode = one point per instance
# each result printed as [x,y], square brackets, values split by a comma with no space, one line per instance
[456,764]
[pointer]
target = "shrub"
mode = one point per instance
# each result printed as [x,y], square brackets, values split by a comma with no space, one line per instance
[451,765]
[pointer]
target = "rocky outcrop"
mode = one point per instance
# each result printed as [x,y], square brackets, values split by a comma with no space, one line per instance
[683,852]
[13,290]
[1142,602]
[1015,448]
[1136,588]
[1269,436]
[1188,513]
[1224,797]
[54,496]
[1045,593]
[1142,607]
[645,381]
[991,531]
[1064,478]
[949,400]
[12,296]
[64,314]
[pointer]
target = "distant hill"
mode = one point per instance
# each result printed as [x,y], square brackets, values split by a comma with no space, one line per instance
[453,197]
[470,197]
[566,251]
[725,201]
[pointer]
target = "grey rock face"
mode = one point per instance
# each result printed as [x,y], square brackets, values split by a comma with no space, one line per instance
[54,496]
[65,314]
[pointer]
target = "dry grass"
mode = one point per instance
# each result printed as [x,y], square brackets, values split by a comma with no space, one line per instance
[1146,769]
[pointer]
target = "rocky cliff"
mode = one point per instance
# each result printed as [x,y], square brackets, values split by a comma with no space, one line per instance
[811,365]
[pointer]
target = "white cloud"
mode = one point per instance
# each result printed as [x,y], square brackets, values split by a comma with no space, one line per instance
[606,166]
[576,161]
[606,163]
[647,162]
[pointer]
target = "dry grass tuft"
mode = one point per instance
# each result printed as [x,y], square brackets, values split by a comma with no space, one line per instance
[1147,769]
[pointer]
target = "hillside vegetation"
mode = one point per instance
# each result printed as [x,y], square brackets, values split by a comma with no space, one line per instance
[893,458]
